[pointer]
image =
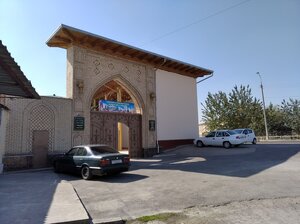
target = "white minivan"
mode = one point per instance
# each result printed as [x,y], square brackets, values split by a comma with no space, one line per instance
[249,133]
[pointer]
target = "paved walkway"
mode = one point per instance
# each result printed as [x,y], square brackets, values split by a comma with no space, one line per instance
[39,197]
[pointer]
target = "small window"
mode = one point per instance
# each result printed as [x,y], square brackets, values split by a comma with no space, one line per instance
[250,131]
[72,152]
[81,152]
[97,150]
[226,134]
[211,134]
[230,132]
[219,134]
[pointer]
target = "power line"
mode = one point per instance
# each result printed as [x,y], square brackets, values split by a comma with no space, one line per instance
[196,22]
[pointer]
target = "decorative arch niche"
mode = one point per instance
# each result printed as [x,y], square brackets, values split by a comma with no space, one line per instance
[115,90]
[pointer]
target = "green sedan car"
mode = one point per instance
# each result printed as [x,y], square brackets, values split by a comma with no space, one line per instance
[90,160]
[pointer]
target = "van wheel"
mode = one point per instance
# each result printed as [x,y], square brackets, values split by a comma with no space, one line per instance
[86,173]
[254,141]
[200,144]
[226,145]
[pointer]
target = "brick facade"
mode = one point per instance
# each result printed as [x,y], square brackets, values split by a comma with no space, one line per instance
[88,70]
[26,115]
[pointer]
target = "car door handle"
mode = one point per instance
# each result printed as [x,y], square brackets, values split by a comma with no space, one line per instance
[222,138]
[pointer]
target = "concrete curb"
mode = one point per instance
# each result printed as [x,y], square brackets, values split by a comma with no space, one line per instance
[66,207]
[110,222]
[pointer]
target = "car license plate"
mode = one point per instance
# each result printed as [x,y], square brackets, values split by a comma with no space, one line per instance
[116,161]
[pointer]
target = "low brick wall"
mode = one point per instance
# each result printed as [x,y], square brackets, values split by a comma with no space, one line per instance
[23,162]
[17,162]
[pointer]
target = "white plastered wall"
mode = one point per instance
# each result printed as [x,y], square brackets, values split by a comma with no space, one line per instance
[177,111]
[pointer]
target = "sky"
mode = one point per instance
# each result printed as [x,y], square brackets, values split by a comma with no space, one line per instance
[234,38]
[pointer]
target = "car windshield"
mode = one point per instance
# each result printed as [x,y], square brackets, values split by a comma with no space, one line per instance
[238,130]
[231,132]
[97,150]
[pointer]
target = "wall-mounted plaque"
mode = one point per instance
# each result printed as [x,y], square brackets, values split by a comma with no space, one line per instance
[78,123]
[151,125]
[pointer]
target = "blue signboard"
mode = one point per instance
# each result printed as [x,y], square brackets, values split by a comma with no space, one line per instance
[113,106]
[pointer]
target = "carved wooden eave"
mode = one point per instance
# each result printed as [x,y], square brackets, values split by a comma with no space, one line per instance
[66,36]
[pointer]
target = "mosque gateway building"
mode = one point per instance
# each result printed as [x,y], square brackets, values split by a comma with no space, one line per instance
[118,95]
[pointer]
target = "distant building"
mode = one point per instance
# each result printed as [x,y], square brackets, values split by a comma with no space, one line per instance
[203,129]
[162,90]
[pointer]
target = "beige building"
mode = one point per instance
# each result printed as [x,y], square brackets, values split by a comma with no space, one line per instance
[103,78]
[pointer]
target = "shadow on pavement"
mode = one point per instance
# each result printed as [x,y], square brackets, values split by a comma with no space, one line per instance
[120,178]
[26,197]
[112,178]
[243,161]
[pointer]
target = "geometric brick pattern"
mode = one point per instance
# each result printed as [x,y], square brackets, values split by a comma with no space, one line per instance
[42,118]
[95,70]
[49,113]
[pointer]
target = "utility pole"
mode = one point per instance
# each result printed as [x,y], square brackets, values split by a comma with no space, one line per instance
[264,106]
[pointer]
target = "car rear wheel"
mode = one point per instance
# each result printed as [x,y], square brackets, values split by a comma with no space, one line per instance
[200,144]
[86,173]
[226,145]
[254,141]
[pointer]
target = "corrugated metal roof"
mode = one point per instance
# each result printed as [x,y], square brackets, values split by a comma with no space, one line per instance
[66,36]
[12,80]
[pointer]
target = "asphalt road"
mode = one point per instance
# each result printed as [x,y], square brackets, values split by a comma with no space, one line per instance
[249,184]
[197,178]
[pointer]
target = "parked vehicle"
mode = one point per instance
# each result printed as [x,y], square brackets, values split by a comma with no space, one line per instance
[225,138]
[90,160]
[249,133]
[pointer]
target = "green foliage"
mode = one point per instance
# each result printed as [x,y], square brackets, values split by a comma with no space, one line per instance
[276,123]
[291,114]
[158,217]
[215,112]
[239,109]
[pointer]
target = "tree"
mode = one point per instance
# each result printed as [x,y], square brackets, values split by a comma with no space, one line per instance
[246,111]
[276,121]
[291,114]
[237,110]
[215,111]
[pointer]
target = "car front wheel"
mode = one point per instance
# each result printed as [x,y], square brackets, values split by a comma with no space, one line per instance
[254,141]
[226,145]
[200,144]
[86,173]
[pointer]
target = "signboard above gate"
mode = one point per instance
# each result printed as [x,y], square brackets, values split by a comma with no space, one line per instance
[113,106]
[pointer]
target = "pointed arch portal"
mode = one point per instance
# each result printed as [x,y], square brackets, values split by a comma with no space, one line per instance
[105,125]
